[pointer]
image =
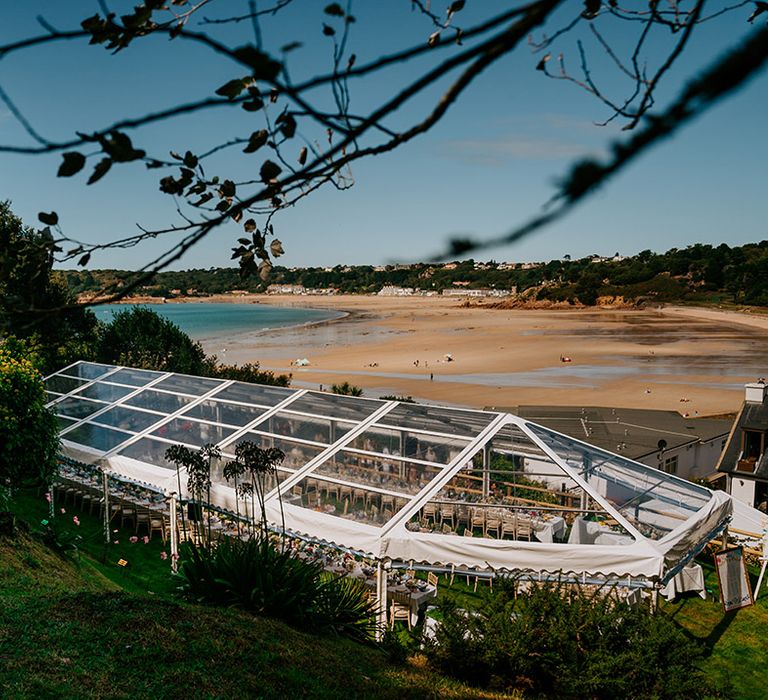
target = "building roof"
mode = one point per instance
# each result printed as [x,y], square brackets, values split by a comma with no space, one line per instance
[632,432]
[753,416]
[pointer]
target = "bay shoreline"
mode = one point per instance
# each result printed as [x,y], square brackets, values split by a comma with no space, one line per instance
[691,360]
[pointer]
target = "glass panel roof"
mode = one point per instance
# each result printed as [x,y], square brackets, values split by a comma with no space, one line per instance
[63,385]
[654,502]
[196,386]
[335,406]
[77,408]
[437,419]
[149,451]
[64,423]
[192,432]
[159,401]
[96,437]
[296,454]
[314,429]
[128,419]
[429,448]
[50,396]
[351,503]
[134,377]
[507,480]
[254,394]
[228,413]
[390,473]
[510,489]
[105,392]
[87,370]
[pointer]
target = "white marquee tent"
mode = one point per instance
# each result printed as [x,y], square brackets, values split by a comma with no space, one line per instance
[400,481]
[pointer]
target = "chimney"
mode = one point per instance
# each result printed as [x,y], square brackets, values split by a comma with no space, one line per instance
[756,391]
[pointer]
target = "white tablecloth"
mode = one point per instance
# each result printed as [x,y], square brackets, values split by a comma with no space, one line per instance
[547,530]
[591,532]
[690,578]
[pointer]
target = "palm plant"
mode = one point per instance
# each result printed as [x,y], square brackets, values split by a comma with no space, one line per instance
[198,466]
[259,464]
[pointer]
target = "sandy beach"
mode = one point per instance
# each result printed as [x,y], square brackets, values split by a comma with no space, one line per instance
[694,361]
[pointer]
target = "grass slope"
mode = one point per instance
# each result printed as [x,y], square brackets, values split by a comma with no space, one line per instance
[68,629]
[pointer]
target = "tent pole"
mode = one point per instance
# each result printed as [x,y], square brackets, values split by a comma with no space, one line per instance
[381,600]
[760,577]
[486,475]
[105,490]
[174,541]
[655,599]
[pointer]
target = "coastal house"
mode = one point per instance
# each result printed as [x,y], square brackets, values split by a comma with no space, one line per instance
[686,447]
[744,462]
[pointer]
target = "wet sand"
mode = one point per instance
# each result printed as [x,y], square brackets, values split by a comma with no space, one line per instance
[504,358]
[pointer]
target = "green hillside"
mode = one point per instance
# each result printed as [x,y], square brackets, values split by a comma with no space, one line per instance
[698,274]
[67,631]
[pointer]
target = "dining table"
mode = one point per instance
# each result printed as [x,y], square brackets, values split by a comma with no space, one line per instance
[417,597]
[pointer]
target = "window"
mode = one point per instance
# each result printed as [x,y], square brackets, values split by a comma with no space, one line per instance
[670,465]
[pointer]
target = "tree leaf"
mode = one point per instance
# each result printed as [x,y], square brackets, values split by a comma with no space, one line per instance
[231,89]
[287,124]
[276,248]
[269,171]
[456,6]
[84,260]
[334,9]
[256,140]
[328,31]
[263,65]
[265,268]
[101,169]
[48,219]
[227,189]
[253,105]
[249,227]
[190,159]
[303,156]
[73,163]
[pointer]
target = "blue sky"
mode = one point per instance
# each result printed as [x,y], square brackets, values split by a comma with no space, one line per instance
[488,166]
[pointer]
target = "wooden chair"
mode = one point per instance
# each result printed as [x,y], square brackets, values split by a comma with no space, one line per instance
[358,496]
[524,528]
[430,512]
[463,516]
[448,515]
[432,579]
[157,524]
[509,526]
[142,519]
[493,523]
[488,579]
[400,609]
[127,513]
[478,519]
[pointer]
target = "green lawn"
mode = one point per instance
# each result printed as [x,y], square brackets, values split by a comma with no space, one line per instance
[736,643]
[139,623]
[82,627]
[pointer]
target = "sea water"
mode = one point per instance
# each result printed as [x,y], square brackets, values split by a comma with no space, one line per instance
[207,321]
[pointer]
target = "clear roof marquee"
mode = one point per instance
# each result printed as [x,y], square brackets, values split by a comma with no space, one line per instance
[381,464]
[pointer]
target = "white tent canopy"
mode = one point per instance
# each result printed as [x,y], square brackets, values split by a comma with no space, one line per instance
[409,482]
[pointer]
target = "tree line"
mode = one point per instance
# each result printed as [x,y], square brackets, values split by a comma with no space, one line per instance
[698,273]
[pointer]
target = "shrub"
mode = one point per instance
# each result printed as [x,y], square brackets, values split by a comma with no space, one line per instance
[346,389]
[257,576]
[557,642]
